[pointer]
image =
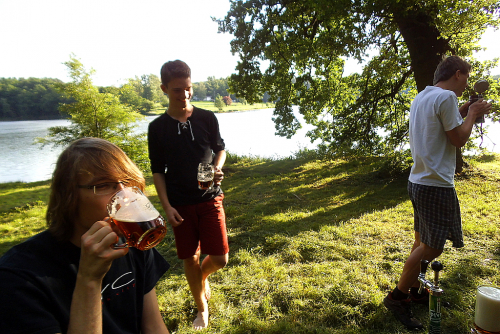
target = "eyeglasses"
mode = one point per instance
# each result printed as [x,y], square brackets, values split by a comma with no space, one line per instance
[105,188]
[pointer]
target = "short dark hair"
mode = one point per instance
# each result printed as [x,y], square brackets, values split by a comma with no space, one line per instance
[83,157]
[174,69]
[449,66]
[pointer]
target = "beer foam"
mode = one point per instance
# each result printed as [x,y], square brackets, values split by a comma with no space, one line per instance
[488,308]
[133,207]
[490,292]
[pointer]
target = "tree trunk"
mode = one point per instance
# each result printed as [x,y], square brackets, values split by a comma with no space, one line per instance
[424,43]
[427,49]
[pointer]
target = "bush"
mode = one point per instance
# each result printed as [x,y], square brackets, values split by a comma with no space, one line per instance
[396,164]
[219,103]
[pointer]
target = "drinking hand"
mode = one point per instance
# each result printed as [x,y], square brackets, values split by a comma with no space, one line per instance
[97,253]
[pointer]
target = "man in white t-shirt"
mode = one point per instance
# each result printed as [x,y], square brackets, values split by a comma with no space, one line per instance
[436,130]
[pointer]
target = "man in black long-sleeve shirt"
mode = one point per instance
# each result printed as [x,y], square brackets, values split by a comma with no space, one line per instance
[179,140]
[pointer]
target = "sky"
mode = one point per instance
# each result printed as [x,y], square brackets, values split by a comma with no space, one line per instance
[126,38]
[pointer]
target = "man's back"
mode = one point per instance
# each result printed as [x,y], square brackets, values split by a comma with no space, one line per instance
[433,112]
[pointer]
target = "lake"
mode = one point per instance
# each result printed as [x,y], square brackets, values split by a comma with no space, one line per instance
[249,133]
[245,133]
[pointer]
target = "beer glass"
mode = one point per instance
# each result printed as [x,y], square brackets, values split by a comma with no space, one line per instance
[205,176]
[486,319]
[139,224]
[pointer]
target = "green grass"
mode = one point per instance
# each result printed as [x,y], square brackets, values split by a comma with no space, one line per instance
[235,106]
[315,246]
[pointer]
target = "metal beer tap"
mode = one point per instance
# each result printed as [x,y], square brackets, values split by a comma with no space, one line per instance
[435,294]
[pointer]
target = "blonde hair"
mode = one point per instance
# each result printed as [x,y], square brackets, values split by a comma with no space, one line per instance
[86,156]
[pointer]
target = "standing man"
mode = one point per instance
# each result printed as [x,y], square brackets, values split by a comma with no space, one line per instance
[436,130]
[179,140]
[69,278]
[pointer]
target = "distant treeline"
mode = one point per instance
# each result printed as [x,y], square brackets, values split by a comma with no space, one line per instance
[34,98]
[30,98]
[208,90]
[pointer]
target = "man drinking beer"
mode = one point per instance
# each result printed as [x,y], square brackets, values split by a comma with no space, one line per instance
[69,278]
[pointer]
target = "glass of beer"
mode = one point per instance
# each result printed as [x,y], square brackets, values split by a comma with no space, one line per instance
[205,176]
[139,224]
[487,314]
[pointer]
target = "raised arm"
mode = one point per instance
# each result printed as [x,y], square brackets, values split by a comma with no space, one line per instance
[95,260]
[460,135]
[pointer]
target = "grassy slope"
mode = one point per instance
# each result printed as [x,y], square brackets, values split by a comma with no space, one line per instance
[315,246]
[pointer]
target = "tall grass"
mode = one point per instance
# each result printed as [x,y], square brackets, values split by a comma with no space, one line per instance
[315,246]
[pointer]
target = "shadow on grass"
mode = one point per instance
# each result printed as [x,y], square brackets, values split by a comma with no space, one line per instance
[486,158]
[290,197]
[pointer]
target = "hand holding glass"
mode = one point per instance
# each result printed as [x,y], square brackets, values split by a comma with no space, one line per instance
[205,176]
[140,225]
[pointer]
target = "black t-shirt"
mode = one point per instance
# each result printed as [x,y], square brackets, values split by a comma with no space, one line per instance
[37,279]
[177,148]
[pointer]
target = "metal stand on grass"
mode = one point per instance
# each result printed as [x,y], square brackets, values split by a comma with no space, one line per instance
[435,294]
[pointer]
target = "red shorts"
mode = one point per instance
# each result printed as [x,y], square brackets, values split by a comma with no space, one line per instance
[204,227]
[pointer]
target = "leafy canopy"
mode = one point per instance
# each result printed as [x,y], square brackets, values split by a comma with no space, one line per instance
[304,45]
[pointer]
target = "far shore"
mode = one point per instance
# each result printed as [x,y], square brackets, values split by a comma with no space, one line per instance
[234,107]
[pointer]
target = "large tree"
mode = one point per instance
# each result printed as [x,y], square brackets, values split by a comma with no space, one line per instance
[304,45]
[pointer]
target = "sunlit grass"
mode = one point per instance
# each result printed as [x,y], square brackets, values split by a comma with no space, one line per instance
[315,246]
[235,106]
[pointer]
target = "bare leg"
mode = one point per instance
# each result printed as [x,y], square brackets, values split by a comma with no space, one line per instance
[416,243]
[411,269]
[197,277]
[193,274]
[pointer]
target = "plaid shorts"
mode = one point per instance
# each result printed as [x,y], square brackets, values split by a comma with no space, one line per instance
[437,215]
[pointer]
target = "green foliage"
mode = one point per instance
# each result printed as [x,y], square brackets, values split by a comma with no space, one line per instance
[30,98]
[396,164]
[304,44]
[199,91]
[96,114]
[210,88]
[216,87]
[219,102]
[242,100]
[143,94]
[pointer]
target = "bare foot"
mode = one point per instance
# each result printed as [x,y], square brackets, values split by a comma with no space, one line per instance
[206,288]
[201,320]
